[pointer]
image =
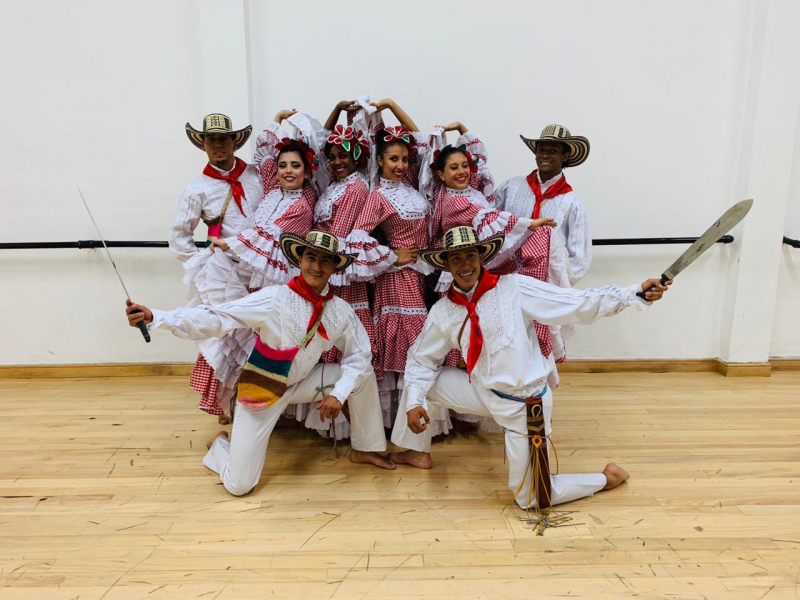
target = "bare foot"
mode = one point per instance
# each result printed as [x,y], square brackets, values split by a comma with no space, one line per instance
[383,462]
[224,420]
[421,460]
[615,475]
[219,434]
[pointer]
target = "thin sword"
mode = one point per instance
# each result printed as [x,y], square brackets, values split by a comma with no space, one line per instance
[142,326]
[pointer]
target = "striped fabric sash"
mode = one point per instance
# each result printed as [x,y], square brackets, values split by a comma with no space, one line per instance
[263,379]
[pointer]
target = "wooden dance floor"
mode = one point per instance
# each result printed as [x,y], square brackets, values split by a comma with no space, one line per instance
[104,497]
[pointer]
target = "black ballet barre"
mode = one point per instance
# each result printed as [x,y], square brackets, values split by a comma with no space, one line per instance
[725,239]
[791,242]
[88,244]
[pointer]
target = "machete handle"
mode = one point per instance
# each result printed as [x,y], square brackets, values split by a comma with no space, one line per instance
[143,328]
[664,280]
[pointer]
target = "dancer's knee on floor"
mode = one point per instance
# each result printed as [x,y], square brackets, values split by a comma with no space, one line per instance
[240,488]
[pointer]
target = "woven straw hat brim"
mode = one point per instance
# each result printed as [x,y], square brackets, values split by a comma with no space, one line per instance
[578,146]
[488,249]
[240,136]
[291,243]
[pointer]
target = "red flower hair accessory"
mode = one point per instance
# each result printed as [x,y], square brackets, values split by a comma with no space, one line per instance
[349,138]
[473,162]
[399,133]
[311,156]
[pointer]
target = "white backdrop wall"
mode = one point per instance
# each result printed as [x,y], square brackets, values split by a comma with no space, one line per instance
[667,93]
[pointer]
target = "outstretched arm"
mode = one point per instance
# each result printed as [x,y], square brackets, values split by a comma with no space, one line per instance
[348,105]
[203,322]
[552,305]
[398,112]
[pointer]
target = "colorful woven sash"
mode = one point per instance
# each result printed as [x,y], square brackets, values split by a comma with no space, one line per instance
[263,379]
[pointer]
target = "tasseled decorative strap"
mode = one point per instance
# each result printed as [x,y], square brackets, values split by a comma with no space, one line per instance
[540,514]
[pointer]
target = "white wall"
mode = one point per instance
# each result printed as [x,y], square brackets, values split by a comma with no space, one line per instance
[660,89]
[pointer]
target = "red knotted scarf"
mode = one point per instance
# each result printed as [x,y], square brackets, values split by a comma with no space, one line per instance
[300,287]
[232,179]
[486,283]
[558,188]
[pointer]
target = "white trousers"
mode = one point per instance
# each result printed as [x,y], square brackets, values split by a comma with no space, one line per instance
[453,390]
[239,462]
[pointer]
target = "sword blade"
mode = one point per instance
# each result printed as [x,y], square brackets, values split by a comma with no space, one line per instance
[102,239]
[723,225]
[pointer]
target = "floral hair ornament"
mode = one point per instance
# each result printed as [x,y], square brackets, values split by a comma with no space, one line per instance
[311,156]
[473,162]
[398,133]
[349,138]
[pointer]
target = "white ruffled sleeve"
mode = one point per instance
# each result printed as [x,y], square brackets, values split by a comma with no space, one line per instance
[266,154]
[418,265]
[552,305]
[203,322]
[372,258]
[500,196]
[579,241]
[489,222]
[427,176]
[482,180]
[188,210]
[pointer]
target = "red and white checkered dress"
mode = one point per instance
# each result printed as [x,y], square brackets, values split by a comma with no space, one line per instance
[401,214]
[336,213]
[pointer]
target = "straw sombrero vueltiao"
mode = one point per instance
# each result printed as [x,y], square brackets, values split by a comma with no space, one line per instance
[578,145]
[218,124]
[318,240]
[459,238]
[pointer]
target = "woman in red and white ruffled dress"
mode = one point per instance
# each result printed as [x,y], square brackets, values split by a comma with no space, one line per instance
[396,212]
[460,184]
[287,168]
[345,158]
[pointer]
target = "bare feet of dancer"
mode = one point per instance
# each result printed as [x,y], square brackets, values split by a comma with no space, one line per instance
[219,434]
[615,475]
[383,462]
[421,460]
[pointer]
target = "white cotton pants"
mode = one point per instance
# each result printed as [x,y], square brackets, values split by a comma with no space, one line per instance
[453,390]
[239,462]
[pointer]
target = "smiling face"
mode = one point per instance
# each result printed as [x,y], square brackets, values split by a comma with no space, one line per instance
[316,267]
[219,148]
[464,266]
[291,170]
[394,161]
[455,173]
[341,161]
[550,157]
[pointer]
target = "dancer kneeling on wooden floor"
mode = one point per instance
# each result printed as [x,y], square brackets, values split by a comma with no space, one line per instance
[491,320]
[295,323]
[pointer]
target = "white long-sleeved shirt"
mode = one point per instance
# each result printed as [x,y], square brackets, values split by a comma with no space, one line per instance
[203,199]
[516,197]
[510,361]
[280,317]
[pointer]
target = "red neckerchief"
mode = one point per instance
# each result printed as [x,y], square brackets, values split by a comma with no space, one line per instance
[558,188]
[300,287]
[486,283]
[232,179]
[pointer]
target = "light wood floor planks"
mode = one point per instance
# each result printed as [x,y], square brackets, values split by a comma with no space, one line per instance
[103,496]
